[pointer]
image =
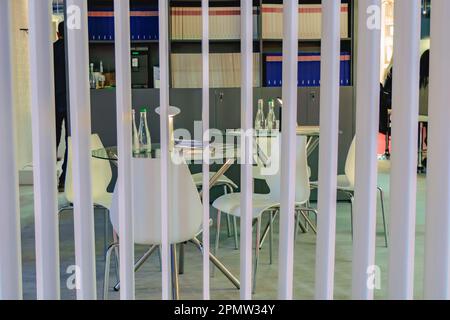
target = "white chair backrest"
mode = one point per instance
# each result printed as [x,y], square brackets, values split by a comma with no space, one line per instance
[185,206]
[350,163]
[100,170]
[302,187]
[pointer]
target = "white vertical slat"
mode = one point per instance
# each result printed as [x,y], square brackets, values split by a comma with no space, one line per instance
[437,231]
[289,126]
[367,112]
[80,120]
[405,113]
[205,121]
[328,151]
[44,151]
[10,247]
[247,143]
[164,103]
[124,127]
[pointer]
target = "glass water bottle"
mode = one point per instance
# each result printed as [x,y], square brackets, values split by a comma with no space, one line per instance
[145,142]
[259,121]
[135,136]
[271,118]
[92,82]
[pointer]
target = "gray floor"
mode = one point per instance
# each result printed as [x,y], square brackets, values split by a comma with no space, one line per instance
[148,279]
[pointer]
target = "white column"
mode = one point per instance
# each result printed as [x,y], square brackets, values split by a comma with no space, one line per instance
[247,143]
[405,113]
[164,103]
[288,150]
[44,151]
[124,128]
[437,231]
[80,120]
[10,248]
[205,121]
[367,112]
[328,150]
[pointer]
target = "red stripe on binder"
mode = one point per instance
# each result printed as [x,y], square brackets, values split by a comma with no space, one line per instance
[106,14]
[344,9]
[225,12]
[144,13]
[212,12]
[101,14]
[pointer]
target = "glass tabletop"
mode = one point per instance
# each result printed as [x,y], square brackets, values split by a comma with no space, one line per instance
[189,151]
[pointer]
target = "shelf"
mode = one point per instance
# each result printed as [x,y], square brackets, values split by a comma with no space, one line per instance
[302,40]
[210,40]
[112,41]
[199,41]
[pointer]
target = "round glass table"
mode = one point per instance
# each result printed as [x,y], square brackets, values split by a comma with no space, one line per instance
[190,151]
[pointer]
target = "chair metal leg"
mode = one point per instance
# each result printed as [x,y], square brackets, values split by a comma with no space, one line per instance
[351,213]
[160,259]
[267,229]
[383,216]
[181,259]
[272,216]
[107,269]
[106,230]
[64,208]
[308,221]
[116,256]
[218,264]
[230,233]
[235,231]
[139,263]
[216,245]
[257,250]
[297,222]
[174,266]
[225,191]
[144,258]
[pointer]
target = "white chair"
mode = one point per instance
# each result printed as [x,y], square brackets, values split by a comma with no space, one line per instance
[101,178]
[230,203]
[185,214]
[228,187]
[346,185]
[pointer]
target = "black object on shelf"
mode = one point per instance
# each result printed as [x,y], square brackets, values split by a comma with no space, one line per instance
[139,67]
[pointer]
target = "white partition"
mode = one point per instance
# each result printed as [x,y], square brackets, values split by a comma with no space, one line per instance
[328,151]
[10,246]
[124,128]
[288,160]
[206,139]
[80,124]
[437,231]
[164,123]
[44,151]
[246,147]
[367,113]
[405,113]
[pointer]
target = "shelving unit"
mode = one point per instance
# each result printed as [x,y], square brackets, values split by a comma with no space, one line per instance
[105,49]
[225,107]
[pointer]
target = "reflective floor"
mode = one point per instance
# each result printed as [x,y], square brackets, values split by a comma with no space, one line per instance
[148,279]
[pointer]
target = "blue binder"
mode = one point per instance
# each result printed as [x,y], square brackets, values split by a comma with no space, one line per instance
[308,69]
[142,26]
